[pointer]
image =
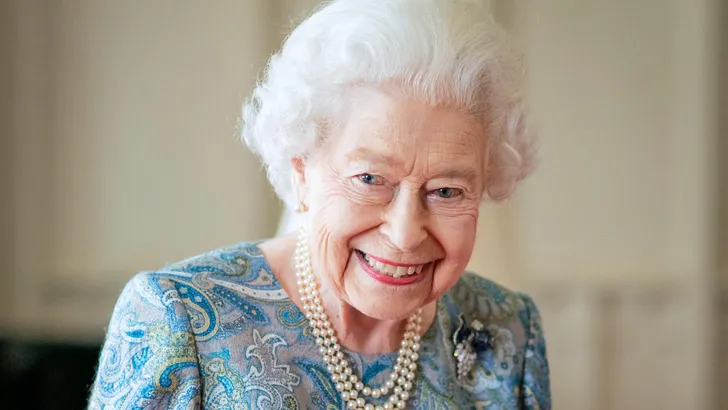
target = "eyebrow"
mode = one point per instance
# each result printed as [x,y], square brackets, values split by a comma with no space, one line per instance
[468,174]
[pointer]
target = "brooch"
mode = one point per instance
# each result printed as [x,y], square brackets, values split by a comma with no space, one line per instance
[469,340]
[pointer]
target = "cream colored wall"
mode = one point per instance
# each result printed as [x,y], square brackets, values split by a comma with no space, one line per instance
[614,235]
[124,147]
[6,252]
[721,370]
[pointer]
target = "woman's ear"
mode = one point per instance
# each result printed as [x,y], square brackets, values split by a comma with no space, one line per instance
[298,182]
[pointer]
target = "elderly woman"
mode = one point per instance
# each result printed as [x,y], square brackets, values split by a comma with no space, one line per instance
[386,123]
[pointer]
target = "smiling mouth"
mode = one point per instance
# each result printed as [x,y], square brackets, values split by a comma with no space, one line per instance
[389,269]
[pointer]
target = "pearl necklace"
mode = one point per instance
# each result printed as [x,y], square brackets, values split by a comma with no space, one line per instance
[353,392]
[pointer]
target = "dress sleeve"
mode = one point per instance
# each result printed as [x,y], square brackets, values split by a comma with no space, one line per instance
[535,386]
[149,357]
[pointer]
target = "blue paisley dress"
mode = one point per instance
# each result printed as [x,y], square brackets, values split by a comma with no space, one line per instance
[217,331]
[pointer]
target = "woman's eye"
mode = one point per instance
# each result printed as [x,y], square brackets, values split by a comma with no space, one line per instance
[371,179]
[447,193]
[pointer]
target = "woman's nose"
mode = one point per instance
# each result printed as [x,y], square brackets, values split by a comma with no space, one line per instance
[404,223]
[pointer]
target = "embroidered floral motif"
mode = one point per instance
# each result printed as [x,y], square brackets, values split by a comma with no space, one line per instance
[270,375]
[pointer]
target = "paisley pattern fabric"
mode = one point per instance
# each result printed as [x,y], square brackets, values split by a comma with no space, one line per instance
[217,331]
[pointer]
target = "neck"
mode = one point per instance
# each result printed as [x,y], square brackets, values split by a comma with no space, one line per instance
[355,330]
[367,335]
[361,333]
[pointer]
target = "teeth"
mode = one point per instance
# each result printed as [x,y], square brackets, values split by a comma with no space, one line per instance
[391,270]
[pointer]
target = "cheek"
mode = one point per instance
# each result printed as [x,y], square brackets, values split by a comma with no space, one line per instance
[457,238]
[334,208]
[334,220]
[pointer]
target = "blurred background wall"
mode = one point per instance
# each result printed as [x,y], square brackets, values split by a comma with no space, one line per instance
[118,154]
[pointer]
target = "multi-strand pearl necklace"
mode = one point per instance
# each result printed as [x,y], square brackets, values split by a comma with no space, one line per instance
[353,392]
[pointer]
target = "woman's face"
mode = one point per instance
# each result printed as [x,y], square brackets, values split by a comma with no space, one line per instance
[393,203]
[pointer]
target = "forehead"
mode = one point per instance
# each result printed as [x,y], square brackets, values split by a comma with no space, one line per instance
[403,130]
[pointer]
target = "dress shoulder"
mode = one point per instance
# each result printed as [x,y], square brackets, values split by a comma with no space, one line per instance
[518,340]
[148,358]
[488,300]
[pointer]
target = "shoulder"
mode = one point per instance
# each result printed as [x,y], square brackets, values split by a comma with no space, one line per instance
[163,317]
[490,301]
[148,357]
[233,260]
[518,345]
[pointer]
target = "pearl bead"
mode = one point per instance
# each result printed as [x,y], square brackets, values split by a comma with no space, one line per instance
[347,385]
[353,394]
[414,357]
[407,386]
[366,391]
[388,406]
[413,366]
[404,395]
[379,408]
[345,395]
[351,404]
[389,384]
[339,387]
[401,381]
[400,404]
[368,407]
[360,401]
[383,390]
[359,385]
[347,370]
[397,390]
[410,376]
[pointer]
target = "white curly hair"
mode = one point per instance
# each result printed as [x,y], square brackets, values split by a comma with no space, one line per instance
[440,52]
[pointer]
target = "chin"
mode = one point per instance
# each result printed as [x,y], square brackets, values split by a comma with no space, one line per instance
[396,313]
